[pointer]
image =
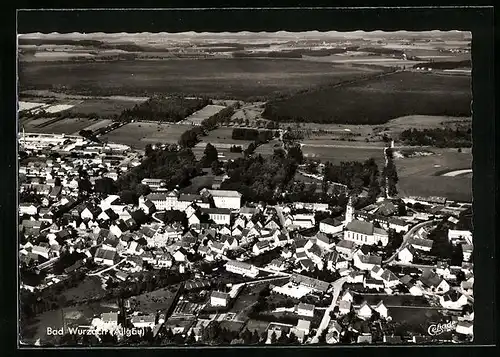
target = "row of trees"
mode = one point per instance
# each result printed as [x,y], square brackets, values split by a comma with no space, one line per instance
[191,136]
[439,137]
[252,134]
[390,174]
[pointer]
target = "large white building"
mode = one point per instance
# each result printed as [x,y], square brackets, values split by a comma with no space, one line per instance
[242,268]
[365,233]
[218,215]
[226,199]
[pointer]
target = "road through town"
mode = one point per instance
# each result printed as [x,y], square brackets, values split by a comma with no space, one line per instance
[337,288]
[405,238]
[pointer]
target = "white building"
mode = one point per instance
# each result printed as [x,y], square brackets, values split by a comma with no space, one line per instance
[407,254]
[305,309]
[242,268]
[144,321]
[226,199]
[218,298]
[362,232]
[218,215]
[330,226]
[460,235]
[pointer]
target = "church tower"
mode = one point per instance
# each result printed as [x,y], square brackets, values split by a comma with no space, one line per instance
[349,211]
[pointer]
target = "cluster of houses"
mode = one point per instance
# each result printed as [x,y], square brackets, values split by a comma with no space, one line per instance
[217,227]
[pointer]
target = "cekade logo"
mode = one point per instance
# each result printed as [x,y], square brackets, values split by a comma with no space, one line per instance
[438,329]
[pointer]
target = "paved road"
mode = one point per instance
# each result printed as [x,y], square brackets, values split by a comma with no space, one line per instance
[405,238]
[337,288]
[366,147]
[109,268]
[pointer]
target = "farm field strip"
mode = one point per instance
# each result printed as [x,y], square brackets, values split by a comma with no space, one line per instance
[139,134]
[98,125]
[242,78]
[202,114]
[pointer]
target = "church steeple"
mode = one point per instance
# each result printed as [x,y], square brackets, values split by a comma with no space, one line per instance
[349,211]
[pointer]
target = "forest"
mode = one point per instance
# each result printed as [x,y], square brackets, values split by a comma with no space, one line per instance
[438,137]
[164,109]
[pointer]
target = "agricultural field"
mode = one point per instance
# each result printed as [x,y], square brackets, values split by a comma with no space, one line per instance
[102,107]
[400,94]
[216,78]
[138,134]
[454,188]
[441,161]
[99,124]
[394,127]
[335,154]
[197,117]
[69,126]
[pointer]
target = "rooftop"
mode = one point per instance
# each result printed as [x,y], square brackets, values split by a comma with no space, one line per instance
[360,227]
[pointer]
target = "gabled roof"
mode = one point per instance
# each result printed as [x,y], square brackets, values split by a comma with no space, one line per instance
[430,278]
[304,306]
[370,259]
[220,295]
[346,244]
[316,250]
[360,227]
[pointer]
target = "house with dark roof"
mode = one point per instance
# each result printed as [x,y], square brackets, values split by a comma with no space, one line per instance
[362,232]
[105,256]
[346,248]
[434,282]
[331,226]
[261,247]
[324,241]
[366,262]
[335,261]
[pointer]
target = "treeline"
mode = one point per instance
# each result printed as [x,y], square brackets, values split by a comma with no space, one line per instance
[170,109]
[176,166]
[270,54]
[445,64]
[438,137]
[339,105]
[295,53]
[84,43]
[258,178]
[382,50]
[191,136]
[252,134]
[355,175]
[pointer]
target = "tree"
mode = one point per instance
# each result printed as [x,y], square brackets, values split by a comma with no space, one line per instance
[191,339]
[85,186]
[402,209]
[322,337]
[216,168]
[105,185]
[142,190]
[295,153]
[274,338]
[148,151]
[209,155]
[128,197]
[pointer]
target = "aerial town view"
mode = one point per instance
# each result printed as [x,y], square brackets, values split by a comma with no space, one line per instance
[249,188]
